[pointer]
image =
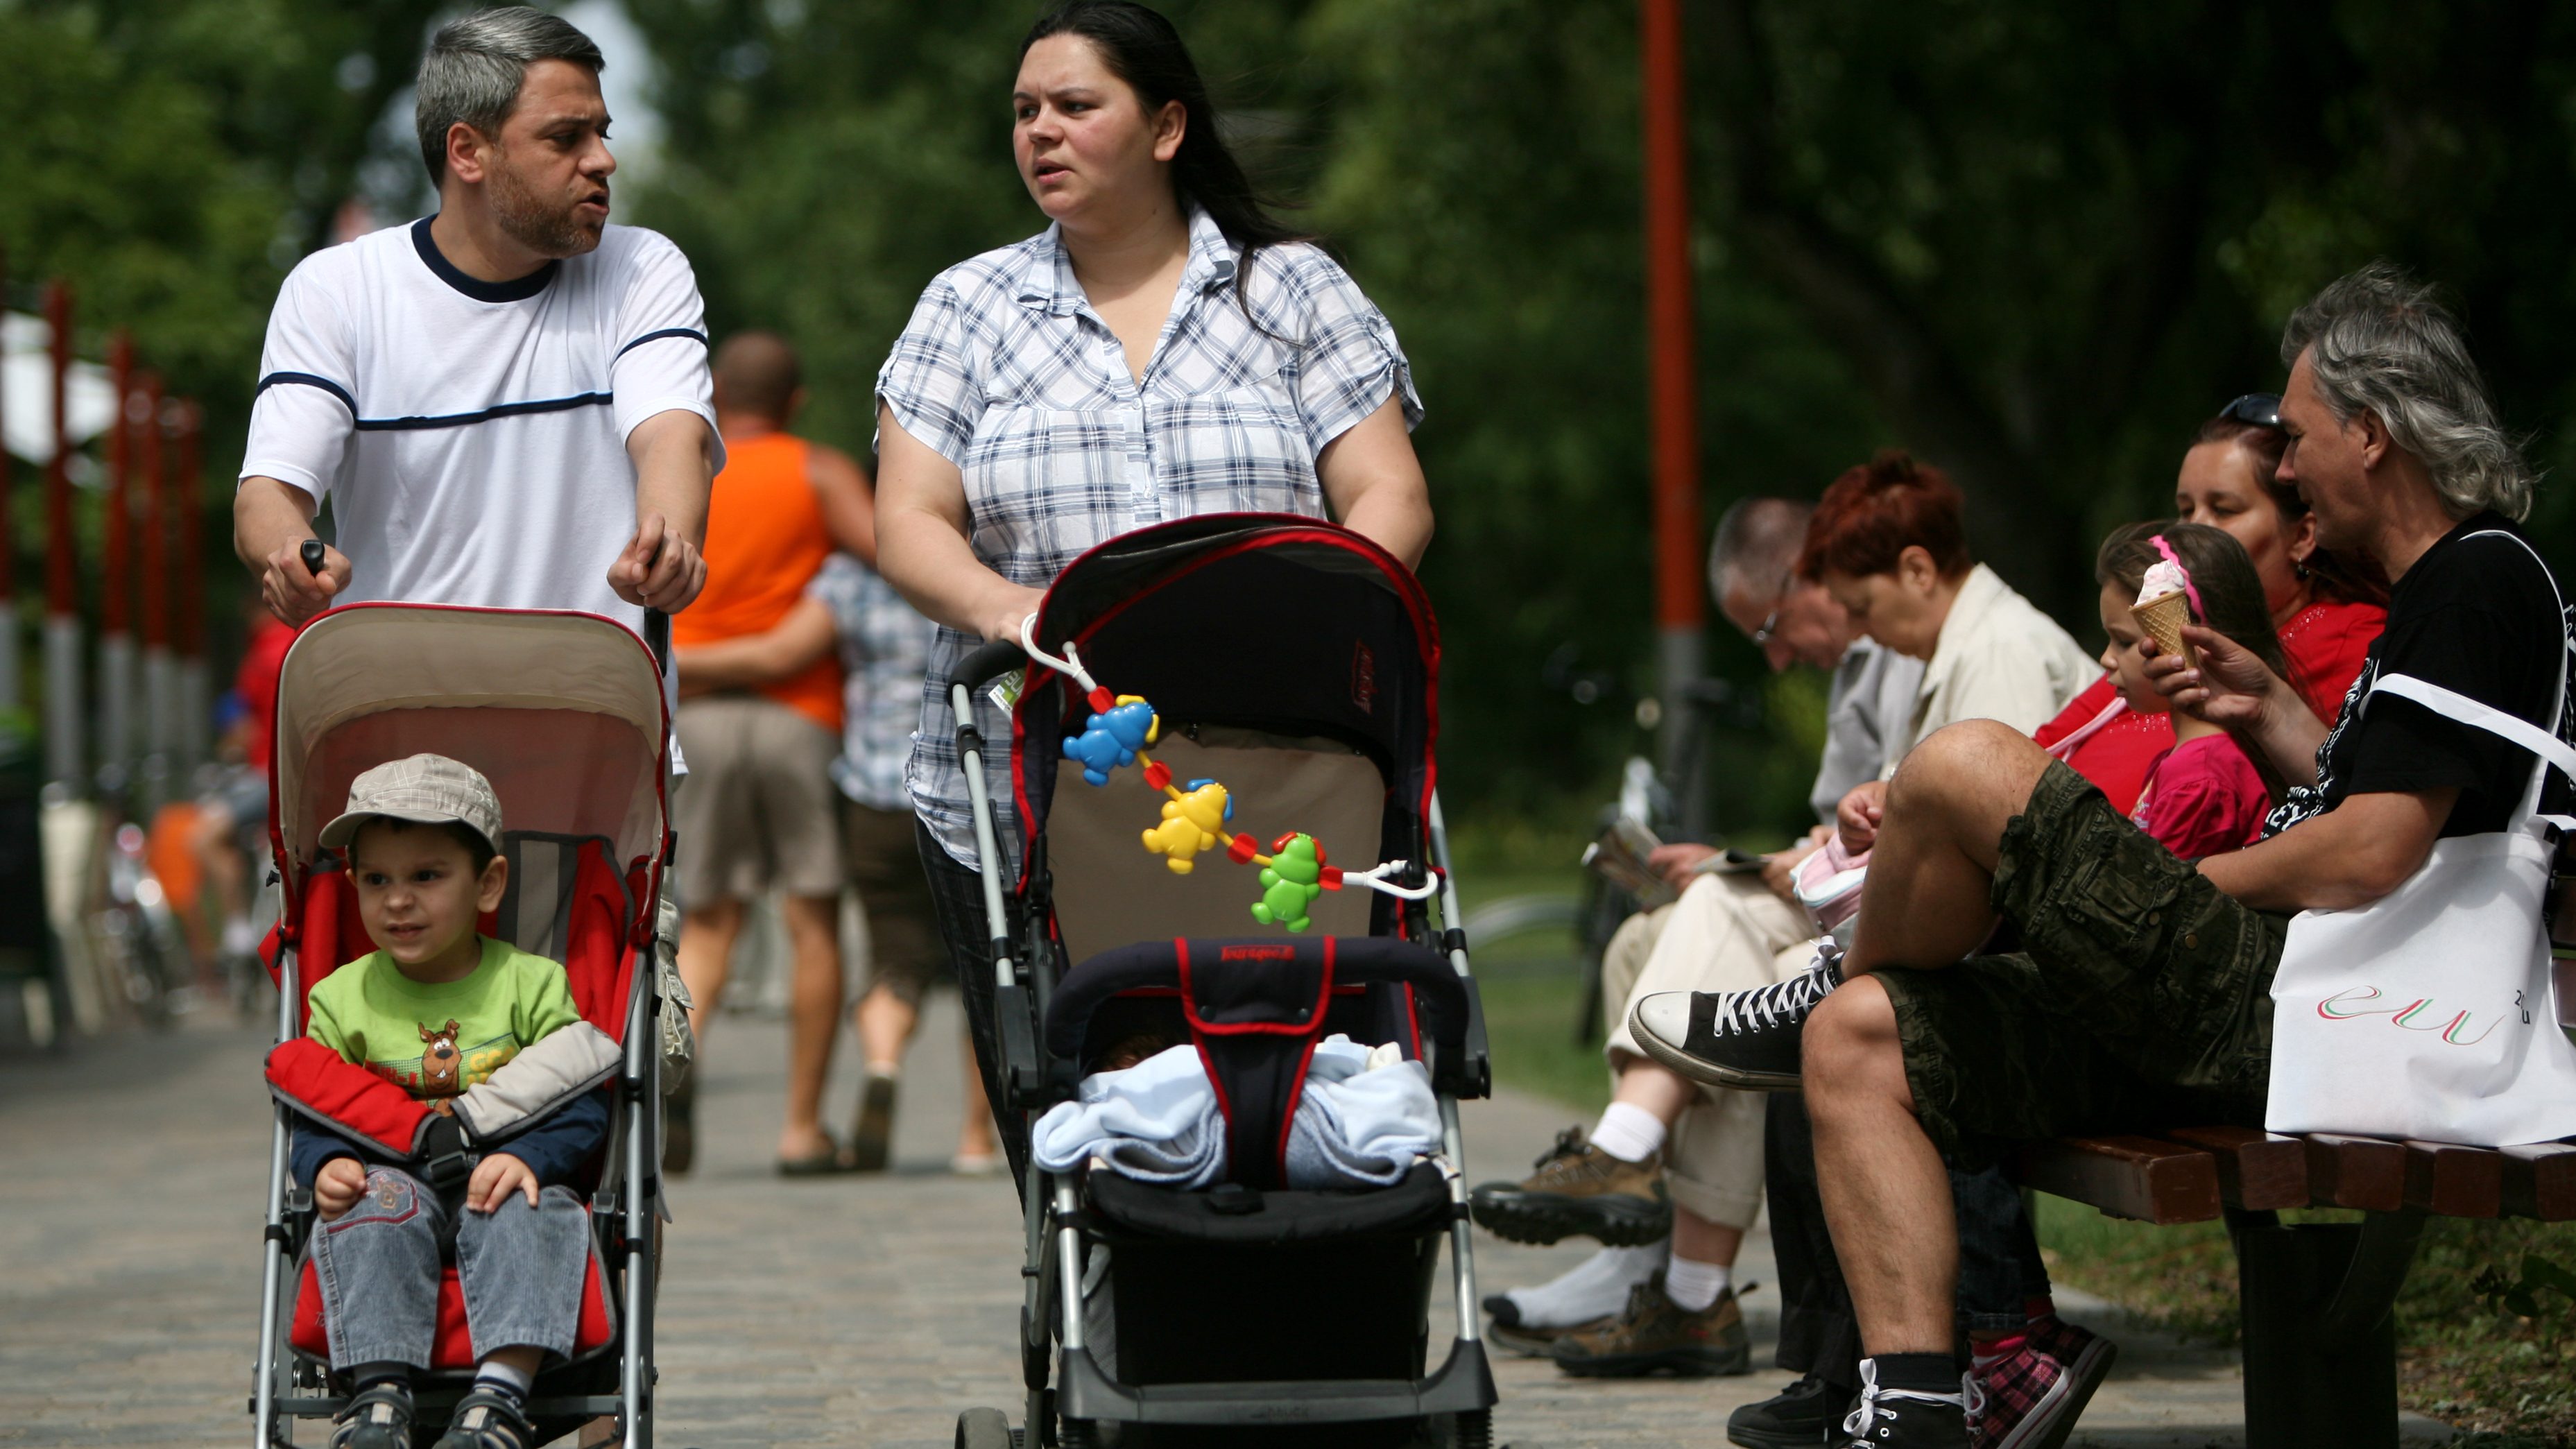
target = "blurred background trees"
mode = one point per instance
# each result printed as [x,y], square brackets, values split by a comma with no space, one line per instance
[2035,243]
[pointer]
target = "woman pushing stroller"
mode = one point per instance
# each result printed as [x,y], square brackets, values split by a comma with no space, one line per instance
[1252,376]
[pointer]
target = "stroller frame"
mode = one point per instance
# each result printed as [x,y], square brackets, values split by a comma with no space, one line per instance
[1025,959]
[625,1207]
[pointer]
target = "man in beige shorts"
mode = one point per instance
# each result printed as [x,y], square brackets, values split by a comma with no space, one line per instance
[1670,1177]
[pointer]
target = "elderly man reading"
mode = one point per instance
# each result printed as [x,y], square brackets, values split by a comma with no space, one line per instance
[2140,992]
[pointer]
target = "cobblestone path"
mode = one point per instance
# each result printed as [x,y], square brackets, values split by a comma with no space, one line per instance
[846,1312]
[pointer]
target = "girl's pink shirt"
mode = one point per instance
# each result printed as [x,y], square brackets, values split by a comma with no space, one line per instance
[2203,798]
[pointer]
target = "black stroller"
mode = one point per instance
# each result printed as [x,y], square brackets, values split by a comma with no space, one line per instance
[1296,663]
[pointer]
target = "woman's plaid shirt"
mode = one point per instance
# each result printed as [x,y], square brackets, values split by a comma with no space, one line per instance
[1007,372]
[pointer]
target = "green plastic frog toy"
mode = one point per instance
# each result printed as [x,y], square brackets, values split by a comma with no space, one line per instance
[1290,883]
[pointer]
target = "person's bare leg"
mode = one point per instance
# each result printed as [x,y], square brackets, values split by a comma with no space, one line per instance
[975,1134]
[813,1019]
[885,1023]
[1925,899]
[1886,1195]
[1654,1088]
[706,958]
[1702,1241]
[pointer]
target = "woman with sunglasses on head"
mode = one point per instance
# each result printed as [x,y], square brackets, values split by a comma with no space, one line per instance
[1165,348]
[2326,610]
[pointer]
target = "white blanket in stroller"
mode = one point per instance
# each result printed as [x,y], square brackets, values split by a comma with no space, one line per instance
[1362,1121]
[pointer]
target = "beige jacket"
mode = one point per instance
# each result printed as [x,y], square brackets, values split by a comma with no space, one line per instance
[1999,658]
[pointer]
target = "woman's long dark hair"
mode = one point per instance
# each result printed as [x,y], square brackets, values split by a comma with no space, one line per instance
[2221,572]
[1141,48]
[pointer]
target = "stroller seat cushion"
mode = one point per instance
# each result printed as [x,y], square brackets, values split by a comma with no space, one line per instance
[452,1350]
[1417,1200]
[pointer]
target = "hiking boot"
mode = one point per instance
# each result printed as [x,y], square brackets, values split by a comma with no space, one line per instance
[1526,1340]
[1657,1335]
[377,1417]
[1794,1418]
[1905,1419]
[1579,1190]
[1743,1039]
[2030,1398]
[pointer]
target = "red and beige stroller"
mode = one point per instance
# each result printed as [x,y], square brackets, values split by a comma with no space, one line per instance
[564,714]
[1285,670]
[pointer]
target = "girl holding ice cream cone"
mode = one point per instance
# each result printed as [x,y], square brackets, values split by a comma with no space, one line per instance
[2202,796]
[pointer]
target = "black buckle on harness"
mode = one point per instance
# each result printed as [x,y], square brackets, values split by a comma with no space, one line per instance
[445,1162]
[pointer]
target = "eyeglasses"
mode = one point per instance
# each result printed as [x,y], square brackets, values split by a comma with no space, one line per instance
[1771,622]
[2259,409]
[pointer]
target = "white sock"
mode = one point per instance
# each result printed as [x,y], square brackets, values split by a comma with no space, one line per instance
[1692,1285]
[493,1371]
[1628,1132]
[1594,1288]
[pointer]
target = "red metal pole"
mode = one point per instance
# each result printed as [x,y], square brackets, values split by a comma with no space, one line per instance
[1674,383]
[115,605]
[154,560]
[62,577]
[190,635]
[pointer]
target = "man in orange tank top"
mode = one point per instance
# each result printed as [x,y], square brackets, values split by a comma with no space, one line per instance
[759,809]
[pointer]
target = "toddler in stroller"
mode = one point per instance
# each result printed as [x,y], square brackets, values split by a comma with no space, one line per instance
[1282,670]
[462,1211]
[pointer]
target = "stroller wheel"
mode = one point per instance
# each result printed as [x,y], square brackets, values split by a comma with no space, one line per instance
[1476,1429]
[984,1429]
[1078,1434]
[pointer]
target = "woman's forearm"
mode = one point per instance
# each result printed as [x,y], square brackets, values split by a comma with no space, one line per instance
[752,660]
[921,541]
[1374,482]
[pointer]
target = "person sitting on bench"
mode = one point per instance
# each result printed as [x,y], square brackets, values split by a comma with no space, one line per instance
[2140,993]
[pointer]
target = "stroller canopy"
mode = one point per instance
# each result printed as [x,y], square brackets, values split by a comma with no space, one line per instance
[1260,621]
[561,711]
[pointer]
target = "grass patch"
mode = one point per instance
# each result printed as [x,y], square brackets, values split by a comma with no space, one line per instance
[2460,1359]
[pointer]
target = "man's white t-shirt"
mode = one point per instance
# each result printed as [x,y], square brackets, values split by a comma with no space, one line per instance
[471,435]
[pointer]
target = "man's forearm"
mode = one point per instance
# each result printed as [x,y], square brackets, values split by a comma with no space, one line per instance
[2288,736]
[267,516]
[2348,857]
[674,455]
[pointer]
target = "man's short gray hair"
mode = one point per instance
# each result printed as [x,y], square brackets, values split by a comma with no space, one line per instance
[1757,546]
[474,67]
[2378,339]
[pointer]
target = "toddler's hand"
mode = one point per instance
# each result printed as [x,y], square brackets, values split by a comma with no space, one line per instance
[337,1186]
[495,1178]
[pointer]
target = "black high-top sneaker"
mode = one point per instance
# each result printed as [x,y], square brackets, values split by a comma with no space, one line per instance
[1906,1418]
[1742,1039]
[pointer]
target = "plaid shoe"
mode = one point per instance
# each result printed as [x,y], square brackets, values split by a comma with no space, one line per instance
[2032,1396]
[1579,1190]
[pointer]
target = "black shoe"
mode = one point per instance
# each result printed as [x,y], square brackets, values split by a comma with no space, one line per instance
[377,1417]
[1903,1418]
[1579,1191]
[1794,1418]
[1743,1039]
[488,1418]
[872,1135]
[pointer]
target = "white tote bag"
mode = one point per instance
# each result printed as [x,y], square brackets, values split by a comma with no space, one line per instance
[2428,1012]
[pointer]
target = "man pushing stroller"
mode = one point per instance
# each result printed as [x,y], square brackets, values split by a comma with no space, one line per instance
[438,1009]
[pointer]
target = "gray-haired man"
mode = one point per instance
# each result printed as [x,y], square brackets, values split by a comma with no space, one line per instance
[2142,996]
[507,402]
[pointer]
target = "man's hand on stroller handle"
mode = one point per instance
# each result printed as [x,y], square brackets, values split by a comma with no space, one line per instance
[337,1185]
[302,578]
[659,568]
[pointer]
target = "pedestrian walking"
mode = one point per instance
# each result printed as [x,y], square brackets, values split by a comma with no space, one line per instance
[758,811]
[1164,348]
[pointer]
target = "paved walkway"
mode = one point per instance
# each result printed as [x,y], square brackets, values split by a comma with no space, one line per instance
[845,1312]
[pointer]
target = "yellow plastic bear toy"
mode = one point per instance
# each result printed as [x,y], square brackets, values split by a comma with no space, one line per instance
[1189,825]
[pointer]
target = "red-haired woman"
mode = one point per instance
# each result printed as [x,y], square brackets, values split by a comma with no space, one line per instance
[1888,544]
[2326,611]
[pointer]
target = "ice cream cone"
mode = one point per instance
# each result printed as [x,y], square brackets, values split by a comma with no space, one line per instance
[2163,617]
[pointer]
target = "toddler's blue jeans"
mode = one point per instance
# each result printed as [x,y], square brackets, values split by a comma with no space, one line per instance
[521,1268]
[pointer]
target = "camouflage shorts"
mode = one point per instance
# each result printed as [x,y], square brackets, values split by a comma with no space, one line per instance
[2141,995]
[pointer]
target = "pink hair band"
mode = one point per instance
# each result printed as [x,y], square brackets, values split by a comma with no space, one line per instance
[2189,590]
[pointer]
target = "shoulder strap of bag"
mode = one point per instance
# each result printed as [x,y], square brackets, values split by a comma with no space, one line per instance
[2453,705]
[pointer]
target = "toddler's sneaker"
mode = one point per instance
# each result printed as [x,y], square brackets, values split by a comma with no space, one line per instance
[378,1417]
[1748,1040]
[1579,1190]
[488,1418]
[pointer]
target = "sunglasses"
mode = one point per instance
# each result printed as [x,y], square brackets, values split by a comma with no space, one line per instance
[2258,409]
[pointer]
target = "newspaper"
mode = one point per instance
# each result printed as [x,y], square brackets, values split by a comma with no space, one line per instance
[1620,855]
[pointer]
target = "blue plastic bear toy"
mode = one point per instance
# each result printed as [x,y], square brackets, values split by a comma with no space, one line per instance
[1112,738]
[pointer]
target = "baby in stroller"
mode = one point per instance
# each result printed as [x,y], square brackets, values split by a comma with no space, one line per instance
[440,1009]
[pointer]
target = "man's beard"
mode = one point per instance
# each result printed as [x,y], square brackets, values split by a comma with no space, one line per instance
[548,231]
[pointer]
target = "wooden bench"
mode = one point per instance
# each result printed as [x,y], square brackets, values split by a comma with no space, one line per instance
[2315,1298]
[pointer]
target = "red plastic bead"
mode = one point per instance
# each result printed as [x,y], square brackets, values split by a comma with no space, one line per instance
[1241,849]
[1158,775]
